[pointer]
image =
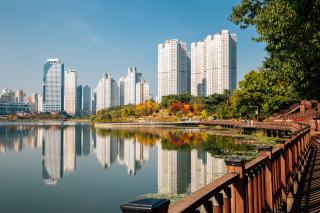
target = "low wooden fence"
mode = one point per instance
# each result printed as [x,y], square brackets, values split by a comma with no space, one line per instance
[265,184]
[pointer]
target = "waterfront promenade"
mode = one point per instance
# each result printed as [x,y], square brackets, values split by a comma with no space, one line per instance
[307,198]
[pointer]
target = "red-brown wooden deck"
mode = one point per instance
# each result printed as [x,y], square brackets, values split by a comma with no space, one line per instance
[307,198]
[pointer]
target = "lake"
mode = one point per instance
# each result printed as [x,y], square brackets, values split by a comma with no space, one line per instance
[50,167]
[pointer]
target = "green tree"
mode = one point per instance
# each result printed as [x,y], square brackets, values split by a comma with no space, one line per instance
[290,30]
[262,90]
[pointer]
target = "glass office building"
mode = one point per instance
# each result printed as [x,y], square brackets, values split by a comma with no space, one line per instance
[53,85]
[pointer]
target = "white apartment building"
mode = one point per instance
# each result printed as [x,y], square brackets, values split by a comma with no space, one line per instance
[221,62]
[130,85]
[70,91]
[107,93]
[142,92]
[198,68]
[214,64]
[121,86]
[173,68]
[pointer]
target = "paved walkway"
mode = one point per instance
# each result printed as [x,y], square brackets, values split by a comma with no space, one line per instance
[307,198]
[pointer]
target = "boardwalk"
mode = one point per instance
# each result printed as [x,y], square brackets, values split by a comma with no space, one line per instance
[307,198]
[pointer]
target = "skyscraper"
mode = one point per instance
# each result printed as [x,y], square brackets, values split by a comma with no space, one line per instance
[130,85]
[198,68]
[19,96]
[121,85]
[53,85]
[86,100]
[107,93]
[79,100]
[142,92]
[173,71]
[214,64]
[70,91]
[221,62]
[94,101]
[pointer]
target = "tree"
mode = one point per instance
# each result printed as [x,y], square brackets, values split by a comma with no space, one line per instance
[290,29]
[261,90]
[212,101]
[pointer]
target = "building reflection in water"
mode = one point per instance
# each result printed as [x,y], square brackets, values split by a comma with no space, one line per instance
[52,159]
[174,169]
[180,171]
[127,151]
[205,168]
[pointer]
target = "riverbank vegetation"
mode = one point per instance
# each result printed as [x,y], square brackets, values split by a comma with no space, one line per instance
[171,108]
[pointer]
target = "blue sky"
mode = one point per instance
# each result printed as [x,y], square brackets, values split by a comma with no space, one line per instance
[97,36]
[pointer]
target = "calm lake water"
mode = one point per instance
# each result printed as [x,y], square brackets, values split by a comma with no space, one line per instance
[75,168]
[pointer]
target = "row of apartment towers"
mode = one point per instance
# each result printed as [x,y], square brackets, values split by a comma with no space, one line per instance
[210,67]
[61,92]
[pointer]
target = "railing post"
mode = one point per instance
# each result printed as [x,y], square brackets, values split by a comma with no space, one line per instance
[250,193]
[217,203]
[268,180]
[283,171]
[238,198]
[226,200]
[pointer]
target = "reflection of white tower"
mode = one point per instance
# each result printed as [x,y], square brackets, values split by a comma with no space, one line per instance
[198,169]
[106,150]
[51,159]
[205,169]
[129,155]
[173,171]
[40,137]
[216,167]
[142,152]
[69,149]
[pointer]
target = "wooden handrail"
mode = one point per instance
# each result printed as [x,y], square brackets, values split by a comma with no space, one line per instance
[196,199]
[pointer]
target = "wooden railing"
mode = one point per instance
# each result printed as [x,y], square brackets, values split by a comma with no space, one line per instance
[264,184]
[280,125]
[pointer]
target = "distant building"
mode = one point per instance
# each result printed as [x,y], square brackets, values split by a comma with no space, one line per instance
[33,101]
[7,96]
[79,100]
[133,88]
[19,96]
[53,85]
[12,108]
[173,68]
[130,85]
[142,92]
[198,68]
[107,93]
[94,101]
[40,103]
[121,85]
[86,100]
[70,91]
